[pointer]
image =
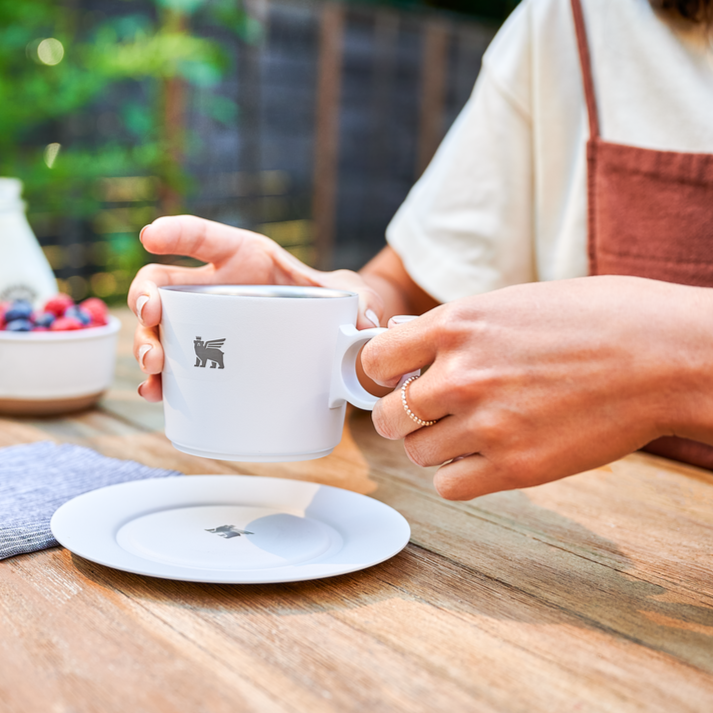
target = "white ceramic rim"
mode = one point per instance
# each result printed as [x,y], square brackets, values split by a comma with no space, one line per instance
[112,327]
[311,292]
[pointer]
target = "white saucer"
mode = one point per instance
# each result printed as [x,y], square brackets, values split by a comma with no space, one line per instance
[235,529]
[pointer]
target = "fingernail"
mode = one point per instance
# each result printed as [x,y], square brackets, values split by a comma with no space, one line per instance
[141,386]
[140,304]
[141,234]
[144,349]
[371,316]
[401,319]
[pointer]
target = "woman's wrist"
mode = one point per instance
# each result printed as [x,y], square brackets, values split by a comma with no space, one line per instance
[688,386]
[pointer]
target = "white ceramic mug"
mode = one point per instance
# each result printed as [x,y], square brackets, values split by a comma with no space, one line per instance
[260,373]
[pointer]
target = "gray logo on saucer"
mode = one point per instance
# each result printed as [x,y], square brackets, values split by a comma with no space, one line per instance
[209,351]
[228,531]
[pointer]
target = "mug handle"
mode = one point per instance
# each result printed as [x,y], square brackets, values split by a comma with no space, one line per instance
[345,384]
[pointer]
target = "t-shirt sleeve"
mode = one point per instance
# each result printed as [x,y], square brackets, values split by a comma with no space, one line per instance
[466,227]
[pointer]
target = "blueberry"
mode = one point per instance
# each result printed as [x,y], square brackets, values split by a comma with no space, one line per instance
[44,319]
[20,309]
[19,325]
[78,313]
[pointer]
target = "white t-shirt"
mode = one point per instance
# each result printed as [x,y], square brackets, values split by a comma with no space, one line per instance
[504,199]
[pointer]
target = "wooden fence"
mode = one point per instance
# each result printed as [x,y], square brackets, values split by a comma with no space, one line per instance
[346,105]
[341,107]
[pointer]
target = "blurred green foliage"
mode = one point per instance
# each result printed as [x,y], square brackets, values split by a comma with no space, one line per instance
[85,116]
[57,66]
[86,121]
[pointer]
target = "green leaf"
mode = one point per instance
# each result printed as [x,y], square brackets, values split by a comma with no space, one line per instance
[138,119]
[221,109]
[200,73]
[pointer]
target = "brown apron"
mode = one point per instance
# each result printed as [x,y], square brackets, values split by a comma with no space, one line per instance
[650,214]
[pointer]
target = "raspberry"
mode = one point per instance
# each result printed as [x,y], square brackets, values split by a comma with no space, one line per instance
[58,304]
[66,324]
[97,310]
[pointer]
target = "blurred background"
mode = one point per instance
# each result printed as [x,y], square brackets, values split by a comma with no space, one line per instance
[305,120]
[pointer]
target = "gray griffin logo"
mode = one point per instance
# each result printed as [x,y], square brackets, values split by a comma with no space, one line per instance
[228,531]
[209,351]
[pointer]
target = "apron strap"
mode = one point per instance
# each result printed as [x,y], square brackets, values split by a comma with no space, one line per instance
[586,62]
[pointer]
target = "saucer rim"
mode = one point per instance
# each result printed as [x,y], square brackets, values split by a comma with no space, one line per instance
[71,522]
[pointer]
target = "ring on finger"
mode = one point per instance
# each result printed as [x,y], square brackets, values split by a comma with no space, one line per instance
[404,402]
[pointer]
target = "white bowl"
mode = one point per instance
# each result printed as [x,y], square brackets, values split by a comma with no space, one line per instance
[45,373]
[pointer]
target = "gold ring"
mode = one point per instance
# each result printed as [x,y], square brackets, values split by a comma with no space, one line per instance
[410,413]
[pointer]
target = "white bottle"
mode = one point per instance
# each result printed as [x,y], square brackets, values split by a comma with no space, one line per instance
[24,270]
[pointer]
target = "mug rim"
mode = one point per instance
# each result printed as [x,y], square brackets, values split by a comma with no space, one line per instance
[261,291]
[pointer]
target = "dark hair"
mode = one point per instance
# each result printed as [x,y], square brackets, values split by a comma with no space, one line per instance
[694,10]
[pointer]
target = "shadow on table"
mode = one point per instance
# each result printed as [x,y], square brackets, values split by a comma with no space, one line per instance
[509,558]
[547,571]
[349,591]
[431,585]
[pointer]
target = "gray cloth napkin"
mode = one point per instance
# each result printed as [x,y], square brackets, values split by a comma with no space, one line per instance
[36,479]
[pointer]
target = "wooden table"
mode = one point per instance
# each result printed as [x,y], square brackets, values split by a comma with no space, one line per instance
[594,593]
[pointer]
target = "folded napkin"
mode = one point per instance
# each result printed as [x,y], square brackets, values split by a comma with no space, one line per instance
[36,479]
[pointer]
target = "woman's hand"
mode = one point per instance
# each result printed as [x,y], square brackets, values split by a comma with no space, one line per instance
[536,382]
[233,256]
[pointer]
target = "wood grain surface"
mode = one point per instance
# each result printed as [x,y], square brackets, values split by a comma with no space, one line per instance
[594,593]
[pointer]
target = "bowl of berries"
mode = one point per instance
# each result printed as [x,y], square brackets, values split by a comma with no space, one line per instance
[56,359]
